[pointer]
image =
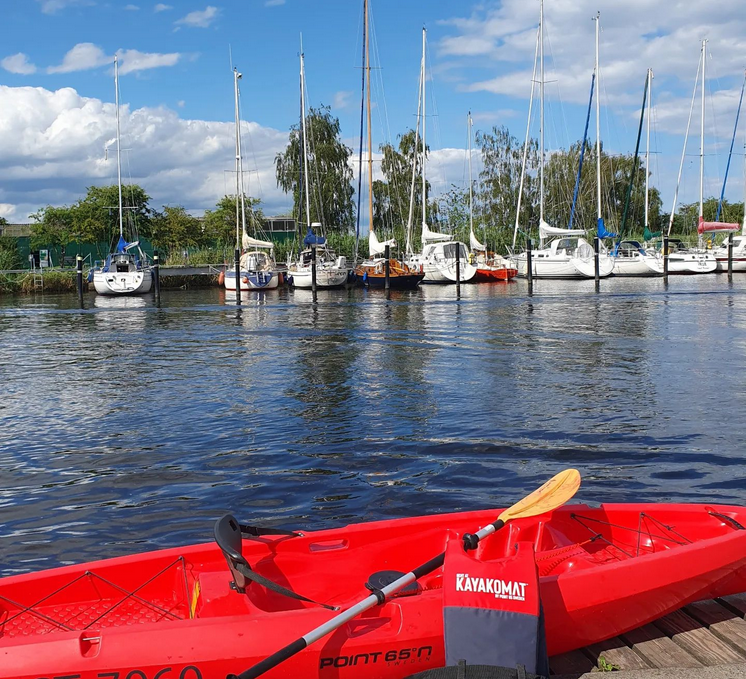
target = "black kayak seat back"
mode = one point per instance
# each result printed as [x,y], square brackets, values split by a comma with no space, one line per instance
[228,537]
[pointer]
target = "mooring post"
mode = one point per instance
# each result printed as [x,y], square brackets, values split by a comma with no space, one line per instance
[730,256]
[157,277]
[665,257]
[596,263]
[237,264]
[458,269]
[529,266]
[313,268]
[387,269]
[79,267]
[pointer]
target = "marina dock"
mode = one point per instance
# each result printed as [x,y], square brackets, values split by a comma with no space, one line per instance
[702,635]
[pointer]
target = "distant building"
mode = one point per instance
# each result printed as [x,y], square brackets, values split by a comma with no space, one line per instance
[16,230]
[279,229]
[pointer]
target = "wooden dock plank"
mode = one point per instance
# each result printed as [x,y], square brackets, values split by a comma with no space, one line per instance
[736,602]
[698,640]
[572,662]
[723,623]
[616,652]
[659,650]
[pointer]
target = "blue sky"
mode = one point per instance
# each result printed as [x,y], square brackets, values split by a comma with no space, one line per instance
[56,86]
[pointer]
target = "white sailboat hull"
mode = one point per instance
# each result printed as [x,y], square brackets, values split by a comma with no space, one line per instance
[546,265]
[325,278]
[123,282]
[252,280]
[692,262]
[739,263]
[642,265]
[439,268]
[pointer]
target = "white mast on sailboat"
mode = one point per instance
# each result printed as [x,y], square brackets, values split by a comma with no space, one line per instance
[647,151]
[410,218]
[305,138]
[541,122]
[119,157]
[598,130]
[424,150]
[702,141]
[240,219]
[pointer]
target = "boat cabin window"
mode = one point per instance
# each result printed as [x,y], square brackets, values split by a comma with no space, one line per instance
[567,243]
[450,250]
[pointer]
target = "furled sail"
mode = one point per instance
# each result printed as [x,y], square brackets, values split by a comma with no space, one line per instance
[375,247]
[546,231]
[249,242]
[311,238]
[475,244]
[709,227]
[123,245]
[432,236]
[603,232]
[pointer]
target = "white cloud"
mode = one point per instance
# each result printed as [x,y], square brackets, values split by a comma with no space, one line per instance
[52,148]
[18,63]
[133,60]
[342,99]
[160,7]
[82,57]
[181,103]
[201,19]
[54,6]
[274,3]
[131,8]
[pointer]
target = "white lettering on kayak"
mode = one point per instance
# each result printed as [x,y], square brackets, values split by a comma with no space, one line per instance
[502,589]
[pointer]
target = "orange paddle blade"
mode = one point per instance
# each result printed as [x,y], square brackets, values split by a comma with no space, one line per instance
[554,493]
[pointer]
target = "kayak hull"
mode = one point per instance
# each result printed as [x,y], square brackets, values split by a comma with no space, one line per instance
[172,613]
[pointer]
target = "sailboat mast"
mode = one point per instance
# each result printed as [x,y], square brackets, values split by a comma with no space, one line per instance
[471,208]
[236,78]
[647,151]
[305,136]
[370,148]
[598,125]
[702,137]
[410,217]
[119,152]
[424,118]
[541,115]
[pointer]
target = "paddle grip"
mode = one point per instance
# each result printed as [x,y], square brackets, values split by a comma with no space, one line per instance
[429,566]
[272,661]
[471,540]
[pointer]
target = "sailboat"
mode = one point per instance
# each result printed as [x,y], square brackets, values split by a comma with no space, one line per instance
[439,250]
[490,265]
[331,271]
[123,272]
[630,257]
[683,259]
[739,242]
[566,254]
[258,270]
[372,272]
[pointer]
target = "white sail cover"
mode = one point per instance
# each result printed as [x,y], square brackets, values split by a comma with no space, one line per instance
[545,231]
[432,236]
[375,247]
[249,242]
[475,244]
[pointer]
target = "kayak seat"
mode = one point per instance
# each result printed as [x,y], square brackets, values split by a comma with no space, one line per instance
[229,536]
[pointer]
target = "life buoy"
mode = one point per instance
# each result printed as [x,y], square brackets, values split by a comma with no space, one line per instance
[221,278]
[245,280]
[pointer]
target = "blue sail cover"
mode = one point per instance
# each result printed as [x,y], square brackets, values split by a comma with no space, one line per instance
[602,232]
[121,245]
[312,239]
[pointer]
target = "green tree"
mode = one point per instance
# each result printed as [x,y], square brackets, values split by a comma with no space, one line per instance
[175,229]
[502,160]
[328,164]
[10,256]
[97,215]
[53,227]
[220,223]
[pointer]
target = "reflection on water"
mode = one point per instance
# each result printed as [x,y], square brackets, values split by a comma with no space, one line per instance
[127,427]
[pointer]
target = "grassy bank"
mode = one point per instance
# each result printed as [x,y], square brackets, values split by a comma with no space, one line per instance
[54,281]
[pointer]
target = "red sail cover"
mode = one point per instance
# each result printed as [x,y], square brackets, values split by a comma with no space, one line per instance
[707,227]
[492,608]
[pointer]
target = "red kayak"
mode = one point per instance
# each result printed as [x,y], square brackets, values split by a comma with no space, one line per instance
[180,613]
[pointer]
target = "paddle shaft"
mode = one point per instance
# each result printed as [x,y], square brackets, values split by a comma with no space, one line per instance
[338,620]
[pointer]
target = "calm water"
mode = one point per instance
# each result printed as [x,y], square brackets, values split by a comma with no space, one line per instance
[125,427]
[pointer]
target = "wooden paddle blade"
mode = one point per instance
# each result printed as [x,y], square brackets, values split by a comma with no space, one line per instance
[554,493]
